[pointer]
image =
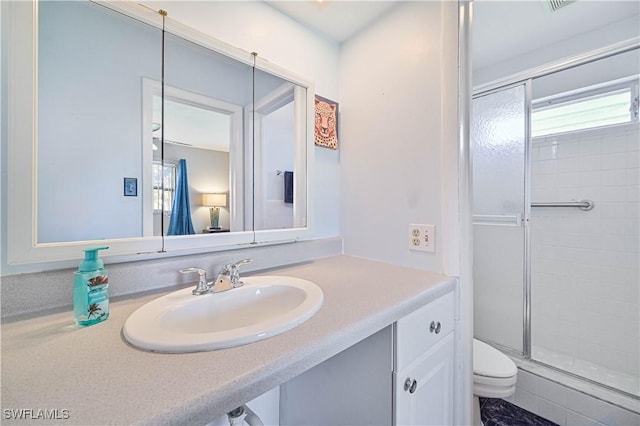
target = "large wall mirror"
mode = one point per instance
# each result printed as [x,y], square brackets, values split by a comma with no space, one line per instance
[148,136]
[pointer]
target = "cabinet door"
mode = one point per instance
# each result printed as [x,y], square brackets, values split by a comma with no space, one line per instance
[431,402]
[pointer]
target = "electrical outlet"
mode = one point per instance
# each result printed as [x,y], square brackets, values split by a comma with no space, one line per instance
[422,237]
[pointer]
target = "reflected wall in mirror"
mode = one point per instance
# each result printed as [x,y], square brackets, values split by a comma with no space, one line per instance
[201,131]
[279,144]
[206,99]
[90,63]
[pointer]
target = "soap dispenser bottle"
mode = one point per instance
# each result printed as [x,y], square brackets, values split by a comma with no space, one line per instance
[91,290]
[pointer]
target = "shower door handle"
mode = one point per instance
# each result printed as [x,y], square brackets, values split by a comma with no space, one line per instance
[498,219]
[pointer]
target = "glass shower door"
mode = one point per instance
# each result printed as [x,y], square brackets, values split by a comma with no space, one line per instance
[585,262]
[498,146]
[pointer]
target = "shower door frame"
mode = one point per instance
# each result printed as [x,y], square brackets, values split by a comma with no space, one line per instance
[526,78]
[525,220]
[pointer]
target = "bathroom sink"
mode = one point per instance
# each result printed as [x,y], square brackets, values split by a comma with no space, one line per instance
[263,307]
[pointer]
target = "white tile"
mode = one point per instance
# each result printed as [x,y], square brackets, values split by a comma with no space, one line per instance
[544,181]
[526,400]
[548,152]
[611,415]
[627,227]
[552,391]
[610,210]
[591,163]
[546,194]
[527,382]
[633,176]
[571,164]
[614,177]
[575,419]
[614,193]
[616,160]
[590,147]
[552,412]
[578,402]
[618,144]
[568,149]
[580,193]
[544,167]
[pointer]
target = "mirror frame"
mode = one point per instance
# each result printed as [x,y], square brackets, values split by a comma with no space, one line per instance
[22,144]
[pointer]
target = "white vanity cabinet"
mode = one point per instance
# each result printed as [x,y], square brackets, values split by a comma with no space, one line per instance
[424,365]
[401,375]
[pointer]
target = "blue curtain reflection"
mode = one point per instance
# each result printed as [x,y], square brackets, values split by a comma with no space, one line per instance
[180,223]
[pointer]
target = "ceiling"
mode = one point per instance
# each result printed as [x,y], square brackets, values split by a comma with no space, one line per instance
[502,28]
[506,29]
[337,20]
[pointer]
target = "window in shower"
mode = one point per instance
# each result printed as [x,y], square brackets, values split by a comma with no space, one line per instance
[616,103]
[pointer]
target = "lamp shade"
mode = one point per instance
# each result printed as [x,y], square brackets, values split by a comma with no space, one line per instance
[214,200]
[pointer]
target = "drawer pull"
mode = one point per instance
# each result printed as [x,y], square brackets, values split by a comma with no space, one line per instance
[407,384]
[410,385]
[435,327]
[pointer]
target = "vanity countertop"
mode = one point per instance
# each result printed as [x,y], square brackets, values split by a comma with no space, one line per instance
[94,377]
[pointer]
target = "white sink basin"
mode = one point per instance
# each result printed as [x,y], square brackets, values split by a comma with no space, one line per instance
[263,307]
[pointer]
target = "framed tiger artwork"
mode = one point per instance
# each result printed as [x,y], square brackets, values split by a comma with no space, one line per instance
[326,123]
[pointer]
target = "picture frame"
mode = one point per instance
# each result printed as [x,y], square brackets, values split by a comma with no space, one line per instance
[130,187]
[326,122]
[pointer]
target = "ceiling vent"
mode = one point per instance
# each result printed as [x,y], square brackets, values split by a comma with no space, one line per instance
[557,4]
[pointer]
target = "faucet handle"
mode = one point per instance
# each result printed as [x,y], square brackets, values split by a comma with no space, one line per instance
[201,272]
[202,287]
[242,262]
[233,269]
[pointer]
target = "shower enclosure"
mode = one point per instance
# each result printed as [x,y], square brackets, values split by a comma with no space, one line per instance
[556,217]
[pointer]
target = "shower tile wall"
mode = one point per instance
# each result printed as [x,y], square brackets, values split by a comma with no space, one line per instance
[585,265]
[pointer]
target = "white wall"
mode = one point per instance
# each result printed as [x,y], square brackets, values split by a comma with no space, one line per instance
[391,134]
[255,26]
[591,39]
[80,199]
[279,140]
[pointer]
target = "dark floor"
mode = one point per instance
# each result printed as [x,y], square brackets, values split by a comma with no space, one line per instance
[498,412]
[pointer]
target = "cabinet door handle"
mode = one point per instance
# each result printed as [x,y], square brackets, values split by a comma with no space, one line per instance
[435,327]
[407,384]
[410,385]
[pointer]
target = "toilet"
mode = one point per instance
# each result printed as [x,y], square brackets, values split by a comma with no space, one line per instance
[494,376]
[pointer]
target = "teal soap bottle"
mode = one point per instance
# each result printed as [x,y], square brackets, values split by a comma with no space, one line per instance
[91,290]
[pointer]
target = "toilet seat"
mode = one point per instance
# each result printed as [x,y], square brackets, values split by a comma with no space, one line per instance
[490,363]
[494,381]
[494,376]
[494,373]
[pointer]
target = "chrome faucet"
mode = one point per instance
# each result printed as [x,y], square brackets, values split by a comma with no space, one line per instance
[229,276]
[203,287]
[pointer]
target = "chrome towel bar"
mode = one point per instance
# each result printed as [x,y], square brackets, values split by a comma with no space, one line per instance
[585,205]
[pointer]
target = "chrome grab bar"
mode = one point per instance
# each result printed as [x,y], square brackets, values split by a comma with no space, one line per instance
[585,205]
